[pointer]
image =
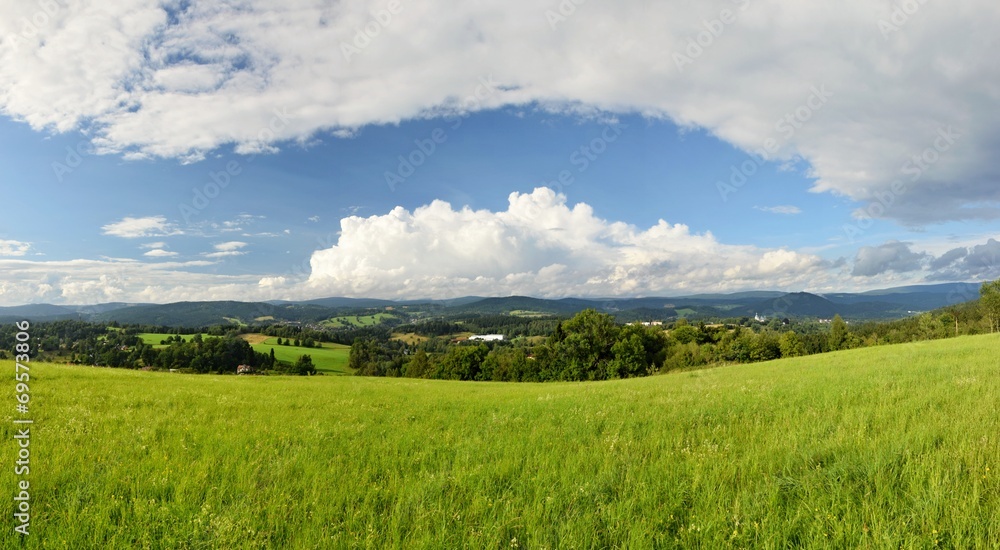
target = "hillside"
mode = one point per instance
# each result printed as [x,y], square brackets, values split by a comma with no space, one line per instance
[875,448]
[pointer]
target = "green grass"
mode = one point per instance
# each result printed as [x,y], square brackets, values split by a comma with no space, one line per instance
[154,338]
[357,321]
[331,358]
[893,447]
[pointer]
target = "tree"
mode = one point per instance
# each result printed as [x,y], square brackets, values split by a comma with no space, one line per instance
[989,301]
[304,366]
[838,333]
[419,365]
[791,345]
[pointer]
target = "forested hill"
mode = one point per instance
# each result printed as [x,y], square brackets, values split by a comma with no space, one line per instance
[882,304]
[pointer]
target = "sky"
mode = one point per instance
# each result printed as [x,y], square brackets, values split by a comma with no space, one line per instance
[168,151]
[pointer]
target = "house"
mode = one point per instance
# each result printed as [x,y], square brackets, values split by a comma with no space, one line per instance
[245,369]
[487,337]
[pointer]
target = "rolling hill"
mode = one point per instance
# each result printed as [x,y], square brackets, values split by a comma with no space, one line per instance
[881,304]
[886,447]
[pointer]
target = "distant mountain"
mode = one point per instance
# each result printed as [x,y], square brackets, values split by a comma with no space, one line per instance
[524,303]
[877,304]
[197,314]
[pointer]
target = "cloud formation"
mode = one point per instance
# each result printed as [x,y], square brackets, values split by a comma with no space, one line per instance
[979,262]
[231,248]
[906,102]
[892,256]
[13,248]
[134,228]
[781,209]
[540,246]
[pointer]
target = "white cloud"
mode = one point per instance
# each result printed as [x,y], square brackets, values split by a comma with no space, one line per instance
[13,248]
[231,248]
[540,246]
[314,219]
[158,244]
[781,209]
[133,228]
[891,256]
[160,253]
[268,72]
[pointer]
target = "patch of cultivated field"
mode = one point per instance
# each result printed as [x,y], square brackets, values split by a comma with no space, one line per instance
[357,320]
[331,358]
[892,447]
[154,338]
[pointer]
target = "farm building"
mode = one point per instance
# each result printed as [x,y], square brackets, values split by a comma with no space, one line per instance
[487,337]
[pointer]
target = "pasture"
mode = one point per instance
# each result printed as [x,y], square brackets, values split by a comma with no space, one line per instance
[889,447]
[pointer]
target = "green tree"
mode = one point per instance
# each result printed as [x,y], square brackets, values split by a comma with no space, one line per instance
[791,345]
[304,366]
[419,365]
[989,301]
[838,333]
[684,333]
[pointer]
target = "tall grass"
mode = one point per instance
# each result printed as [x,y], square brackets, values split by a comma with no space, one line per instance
[890,447]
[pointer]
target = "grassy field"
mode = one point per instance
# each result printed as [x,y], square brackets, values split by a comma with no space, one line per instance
[357,321]
[331,358]
[154,338]
[893,447]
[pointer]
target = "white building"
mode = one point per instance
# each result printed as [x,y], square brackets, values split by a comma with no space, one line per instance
[487,337]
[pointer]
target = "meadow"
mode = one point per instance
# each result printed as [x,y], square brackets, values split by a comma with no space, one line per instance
[357,320]
[329,359]
[887,447]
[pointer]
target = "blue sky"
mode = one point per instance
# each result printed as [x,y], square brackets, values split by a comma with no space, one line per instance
[576,155]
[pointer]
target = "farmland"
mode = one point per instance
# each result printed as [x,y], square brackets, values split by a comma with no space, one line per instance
[330,358]
[886,447]
[357,320]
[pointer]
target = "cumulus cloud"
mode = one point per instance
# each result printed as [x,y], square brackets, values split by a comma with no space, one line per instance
[976,263]
[13,248]
[98,281]
[269,72]
[781,209]
[133,228]
[892,256]
[539,246]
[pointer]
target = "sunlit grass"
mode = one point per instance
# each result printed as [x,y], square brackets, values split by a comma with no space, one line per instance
[892,447]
